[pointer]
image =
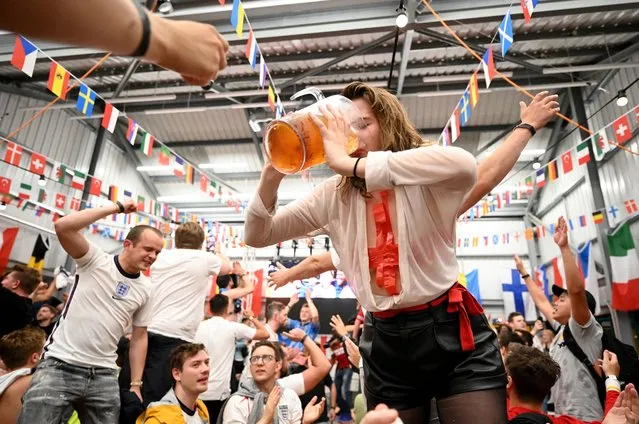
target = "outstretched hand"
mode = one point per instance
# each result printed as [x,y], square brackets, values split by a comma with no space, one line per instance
[540,110]
[561,233]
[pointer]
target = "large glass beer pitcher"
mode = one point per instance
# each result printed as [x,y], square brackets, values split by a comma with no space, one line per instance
[293,143]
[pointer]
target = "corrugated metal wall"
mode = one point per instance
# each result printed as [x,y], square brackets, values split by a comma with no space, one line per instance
[63,140]
[618,174]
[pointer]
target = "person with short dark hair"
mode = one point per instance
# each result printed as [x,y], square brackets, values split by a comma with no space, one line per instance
[308,322]
[262,398]
[276,317]
[15,301]
[109,295]
[181,281]
[573,308]
[20,352]
[189,365]
[220,335]
[45,318]
[531,375]
[526,337]
[516,321]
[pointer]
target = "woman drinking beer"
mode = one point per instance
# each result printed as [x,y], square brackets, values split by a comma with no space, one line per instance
[391,214]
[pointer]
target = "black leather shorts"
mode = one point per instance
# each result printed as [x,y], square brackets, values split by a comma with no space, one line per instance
[415,356]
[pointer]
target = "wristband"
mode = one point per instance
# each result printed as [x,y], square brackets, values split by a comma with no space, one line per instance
[528,127]
[304,338]
[143,47]
[136,383]
[524,276]
[120,206]
[355,167]
[612,383]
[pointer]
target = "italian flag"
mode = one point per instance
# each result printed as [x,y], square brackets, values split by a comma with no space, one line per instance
[583,157]
[147,144]
[625,269]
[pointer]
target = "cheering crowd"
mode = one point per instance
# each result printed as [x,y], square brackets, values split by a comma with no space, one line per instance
[126,347]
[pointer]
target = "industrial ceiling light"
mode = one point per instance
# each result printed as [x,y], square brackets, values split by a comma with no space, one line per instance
[42,181]
[622,99]
[3,205]
[402,18]
[165,7]
[490,197]
[536,164]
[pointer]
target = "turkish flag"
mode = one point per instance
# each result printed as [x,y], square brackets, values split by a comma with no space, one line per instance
[96,186]
[7,238]
[38,164]
[5,185]
[204,183]
[566,162]
[637,114]
[621,128]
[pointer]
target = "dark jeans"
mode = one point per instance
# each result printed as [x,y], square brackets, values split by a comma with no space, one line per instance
[343,387]
[157,378]
[214,407]
[57,386]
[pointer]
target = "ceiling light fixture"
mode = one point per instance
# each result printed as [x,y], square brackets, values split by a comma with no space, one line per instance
[165,7]
[622,99]
[42,181]
[3,205]
[402,18]
[536,165]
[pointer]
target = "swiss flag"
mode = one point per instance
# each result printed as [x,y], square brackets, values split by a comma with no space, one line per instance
[96,186]
[38,164]
[5,185]
[621,128]
[566,162]
[60,200]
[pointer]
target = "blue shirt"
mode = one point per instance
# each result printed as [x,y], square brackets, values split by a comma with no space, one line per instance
[310,328]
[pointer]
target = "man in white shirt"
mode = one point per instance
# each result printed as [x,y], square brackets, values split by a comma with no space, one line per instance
[219,336]
[276,317]
[181,280]
[248,405]
[109,294]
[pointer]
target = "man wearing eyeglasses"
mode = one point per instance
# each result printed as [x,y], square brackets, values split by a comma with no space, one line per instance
[261,398]
[219,335]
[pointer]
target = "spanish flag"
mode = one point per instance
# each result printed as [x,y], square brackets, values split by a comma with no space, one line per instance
[37,255]
[58,80]
[271,97]
[474,90]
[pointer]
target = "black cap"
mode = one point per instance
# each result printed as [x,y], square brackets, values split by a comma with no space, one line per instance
[592,303]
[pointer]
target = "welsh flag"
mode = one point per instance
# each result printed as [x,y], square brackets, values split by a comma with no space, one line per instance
[625,269]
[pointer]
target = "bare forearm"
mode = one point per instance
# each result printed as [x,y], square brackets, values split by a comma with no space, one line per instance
[539,298]
[574,281]
[312,309]
[492,170]
[269,184]
[112,25]
[333,396]
[137,357]
[318,359]
[80,220]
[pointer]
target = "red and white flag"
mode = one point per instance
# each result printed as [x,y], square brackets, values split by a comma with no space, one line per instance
[38,164]
[110,117]
[5,185]
[13,154]
[60,200]
[621,128]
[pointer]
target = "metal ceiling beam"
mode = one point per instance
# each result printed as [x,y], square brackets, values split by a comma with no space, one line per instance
[406,47]
[617,57]
[481,50]
[254,139]
[361,49]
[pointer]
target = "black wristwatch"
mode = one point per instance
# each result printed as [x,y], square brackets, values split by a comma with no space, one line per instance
[527,127]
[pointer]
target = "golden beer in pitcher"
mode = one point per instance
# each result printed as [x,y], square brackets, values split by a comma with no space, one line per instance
[294,143]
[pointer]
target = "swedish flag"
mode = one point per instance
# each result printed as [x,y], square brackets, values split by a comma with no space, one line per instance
[86,100]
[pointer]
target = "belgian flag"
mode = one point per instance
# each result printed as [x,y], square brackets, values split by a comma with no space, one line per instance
[37,255]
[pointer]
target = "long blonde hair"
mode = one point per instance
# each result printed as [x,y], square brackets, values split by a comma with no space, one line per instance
[397,133]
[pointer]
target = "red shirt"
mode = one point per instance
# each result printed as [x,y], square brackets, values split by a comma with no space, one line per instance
[341,358]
